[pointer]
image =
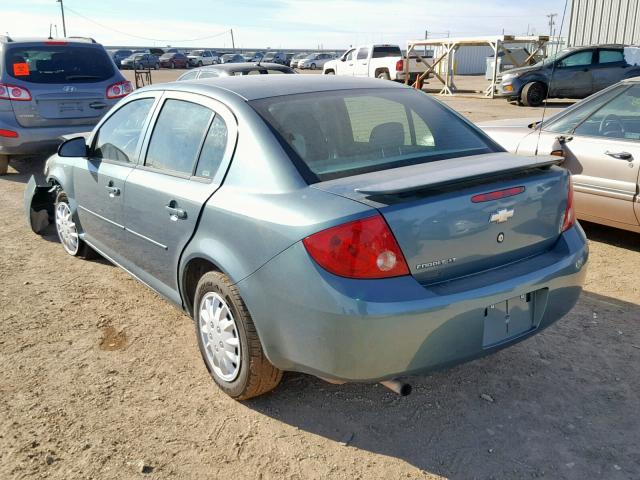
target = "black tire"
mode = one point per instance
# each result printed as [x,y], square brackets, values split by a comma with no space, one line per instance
[256,375]
[4,164]
[329,72]
[313,66]
[83,250]
[384,75]
[200,63]
[172,65]
[533,94]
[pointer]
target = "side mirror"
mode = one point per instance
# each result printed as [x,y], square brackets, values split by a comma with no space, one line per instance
[75,147]
[343,59]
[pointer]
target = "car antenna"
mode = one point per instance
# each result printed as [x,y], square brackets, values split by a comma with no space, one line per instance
[553,69]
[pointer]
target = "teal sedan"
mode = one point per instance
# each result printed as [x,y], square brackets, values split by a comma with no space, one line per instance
[351,229]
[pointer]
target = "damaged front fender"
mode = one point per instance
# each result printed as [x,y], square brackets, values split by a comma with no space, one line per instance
[39,204]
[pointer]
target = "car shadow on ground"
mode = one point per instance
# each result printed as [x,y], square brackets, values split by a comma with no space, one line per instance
[531,410]
[612,236]
[21,169]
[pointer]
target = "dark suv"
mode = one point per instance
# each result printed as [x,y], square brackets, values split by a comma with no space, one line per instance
[52,87]
[577,73]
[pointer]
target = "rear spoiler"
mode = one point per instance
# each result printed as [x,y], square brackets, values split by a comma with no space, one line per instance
[443,172]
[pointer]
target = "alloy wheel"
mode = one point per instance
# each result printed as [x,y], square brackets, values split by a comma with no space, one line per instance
[66,227]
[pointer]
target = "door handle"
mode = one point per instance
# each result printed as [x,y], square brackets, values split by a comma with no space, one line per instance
[620,155]
[175,213]
[113,191]
[98,105]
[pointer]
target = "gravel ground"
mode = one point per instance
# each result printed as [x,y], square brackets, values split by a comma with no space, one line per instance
[101,378]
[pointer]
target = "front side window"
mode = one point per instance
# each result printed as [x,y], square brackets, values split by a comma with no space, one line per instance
[58,64]
[350,55]
[569,120]
[118,136]
[580,59]
[177,136]
[341,133]
[620,118]
[363,53]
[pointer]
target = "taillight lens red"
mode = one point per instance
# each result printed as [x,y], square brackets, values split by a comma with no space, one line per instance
[497,194]
[119,90]
[399,65]
[14,92]
[363,248]
[8,133]
[569,213]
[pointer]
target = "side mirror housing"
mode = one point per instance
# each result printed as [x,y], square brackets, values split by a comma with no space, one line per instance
[74,147]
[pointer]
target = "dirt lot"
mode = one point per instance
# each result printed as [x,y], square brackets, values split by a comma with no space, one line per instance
[101,378]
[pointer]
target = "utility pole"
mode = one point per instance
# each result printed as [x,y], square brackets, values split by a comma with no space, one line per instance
[233,43]
[552,22]
[64,25]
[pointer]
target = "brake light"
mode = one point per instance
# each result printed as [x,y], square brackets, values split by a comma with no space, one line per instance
[363,248]
[496,195]
[8,133]
[400,65]
[55,42]
[13,92]
[119,90]
[569,213]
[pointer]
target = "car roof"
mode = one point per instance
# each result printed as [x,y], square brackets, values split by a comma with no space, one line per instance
[254,87]
[40,40]
[240,66]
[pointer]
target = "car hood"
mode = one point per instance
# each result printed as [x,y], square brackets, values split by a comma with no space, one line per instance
[522,70]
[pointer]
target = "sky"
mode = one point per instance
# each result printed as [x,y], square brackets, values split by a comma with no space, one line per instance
[278,24]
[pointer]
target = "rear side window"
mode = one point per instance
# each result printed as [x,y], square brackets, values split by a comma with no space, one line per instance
[177,136]
[118,136]
[611,56]
[363,53]
[341,133]
[190,75]
[59,64]
[213,149]
[381,52]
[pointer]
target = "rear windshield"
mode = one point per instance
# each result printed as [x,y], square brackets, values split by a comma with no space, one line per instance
[381,52]
[58,64]
[342,133]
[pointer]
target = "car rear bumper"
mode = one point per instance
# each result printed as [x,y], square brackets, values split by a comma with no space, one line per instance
[368,330]
[36,140]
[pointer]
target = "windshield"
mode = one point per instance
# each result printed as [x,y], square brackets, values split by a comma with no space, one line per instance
[348,132]
[59,64]
[553,57]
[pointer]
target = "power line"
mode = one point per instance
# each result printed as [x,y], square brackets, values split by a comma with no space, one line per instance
[162,40]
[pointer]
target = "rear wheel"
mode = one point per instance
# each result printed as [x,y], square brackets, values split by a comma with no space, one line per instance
[384,76]
[329,72]
[313,66]
[173,65]
[4,164]
[533,94]
[228,340]
[68,230]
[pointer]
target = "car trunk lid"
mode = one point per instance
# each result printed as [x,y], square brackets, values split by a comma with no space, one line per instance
[443,233]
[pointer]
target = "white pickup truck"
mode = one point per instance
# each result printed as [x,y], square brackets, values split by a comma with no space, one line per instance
[375,60]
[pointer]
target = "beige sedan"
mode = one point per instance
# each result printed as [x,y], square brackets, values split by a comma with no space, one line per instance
[600,140]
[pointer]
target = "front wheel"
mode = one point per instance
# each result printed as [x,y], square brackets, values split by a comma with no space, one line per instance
[329,72]
[68,230]
[199,64]
[533,94]
[228,340]
[313,66]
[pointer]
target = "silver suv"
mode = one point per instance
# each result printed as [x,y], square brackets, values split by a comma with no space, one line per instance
[52,87]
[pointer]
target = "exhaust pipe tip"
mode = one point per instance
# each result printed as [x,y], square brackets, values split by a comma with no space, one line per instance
[401,388]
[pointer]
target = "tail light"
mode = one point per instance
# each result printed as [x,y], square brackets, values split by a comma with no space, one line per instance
[363,248]
[119,90]
[569,213]
[15,93]
[497,194]
[8,133]
[400,65]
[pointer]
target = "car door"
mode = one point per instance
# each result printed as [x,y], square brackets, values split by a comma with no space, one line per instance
[98,181]
[346,66]
[604,156]
[186,155]
[572,77]
[361,68]
[610,68]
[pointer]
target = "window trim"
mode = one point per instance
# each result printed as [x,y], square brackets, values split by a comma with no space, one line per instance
[591,63]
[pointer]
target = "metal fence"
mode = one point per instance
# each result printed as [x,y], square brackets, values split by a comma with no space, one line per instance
[604,21]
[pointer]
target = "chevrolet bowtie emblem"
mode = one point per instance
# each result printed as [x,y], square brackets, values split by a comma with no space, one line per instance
[501,216]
